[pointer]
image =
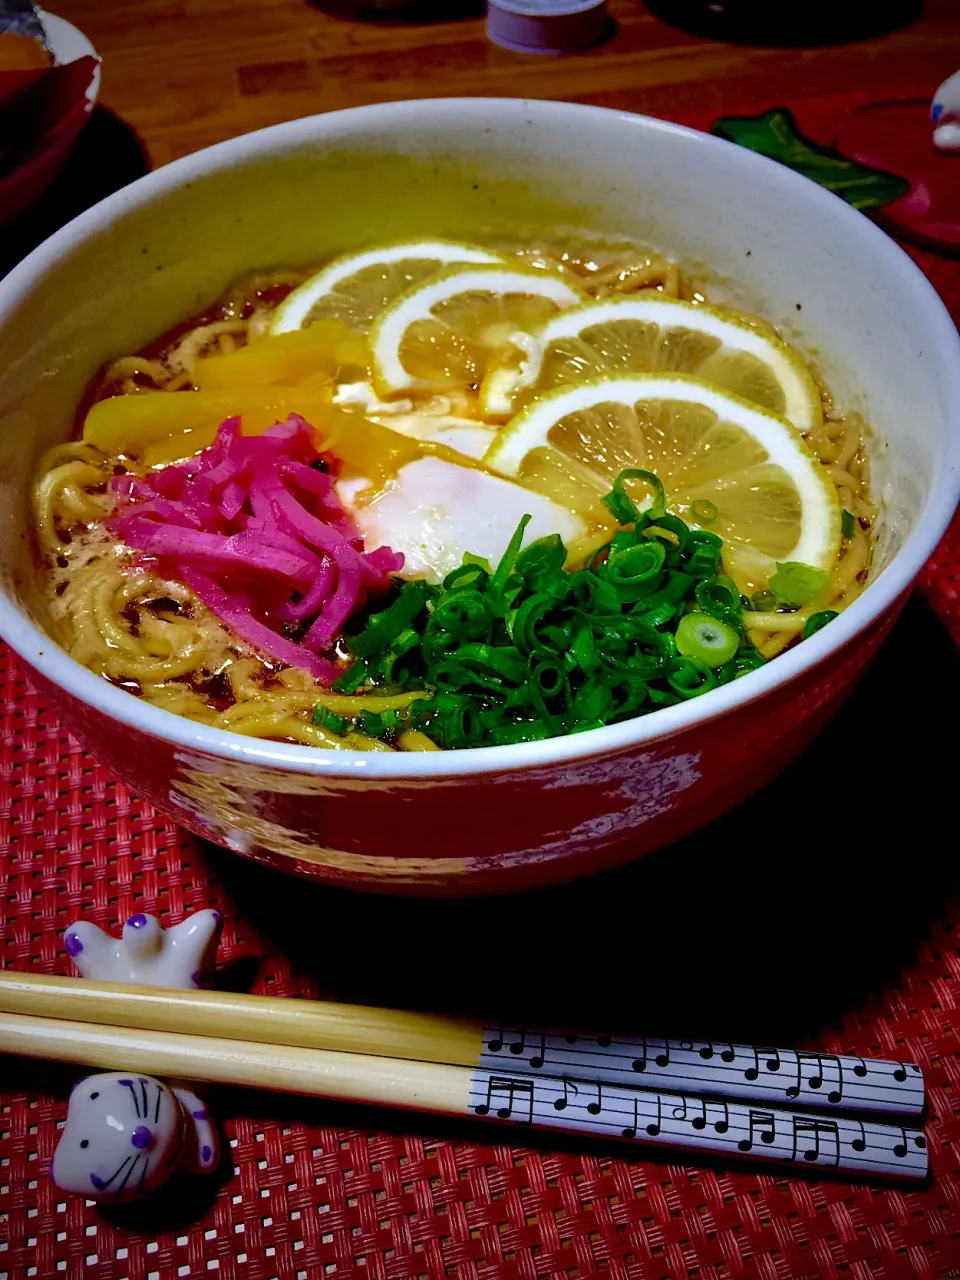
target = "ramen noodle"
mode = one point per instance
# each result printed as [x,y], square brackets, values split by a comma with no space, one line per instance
[293,516]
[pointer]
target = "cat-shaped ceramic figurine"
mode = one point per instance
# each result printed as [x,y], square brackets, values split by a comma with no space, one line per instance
[945,114]
[125,1132]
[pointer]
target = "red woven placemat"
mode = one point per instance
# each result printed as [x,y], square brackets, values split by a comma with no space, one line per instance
[826,911]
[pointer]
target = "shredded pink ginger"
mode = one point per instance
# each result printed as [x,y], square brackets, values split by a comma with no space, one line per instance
[259,535]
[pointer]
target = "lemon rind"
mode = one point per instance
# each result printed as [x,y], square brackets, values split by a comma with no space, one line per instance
[293,311]
[819,539]
[416,303]
[802,399]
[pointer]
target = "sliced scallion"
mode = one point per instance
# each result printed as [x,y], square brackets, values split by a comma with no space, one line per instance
[707,639]
[817,621]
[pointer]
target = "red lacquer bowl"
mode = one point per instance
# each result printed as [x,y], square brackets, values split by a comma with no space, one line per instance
[508,817]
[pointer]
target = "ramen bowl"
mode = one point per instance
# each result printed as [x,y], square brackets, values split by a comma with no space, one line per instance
[508,817]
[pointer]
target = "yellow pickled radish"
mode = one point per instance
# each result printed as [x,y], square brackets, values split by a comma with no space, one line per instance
[321,352]
[151,424]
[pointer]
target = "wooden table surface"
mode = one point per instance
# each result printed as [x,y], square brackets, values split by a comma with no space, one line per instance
[188,73]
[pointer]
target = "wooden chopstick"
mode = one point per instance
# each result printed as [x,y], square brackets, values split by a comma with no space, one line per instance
[774,1077]
[309,1024]
[840,1143]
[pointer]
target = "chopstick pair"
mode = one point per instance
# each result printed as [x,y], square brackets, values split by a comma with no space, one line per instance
[698,1095]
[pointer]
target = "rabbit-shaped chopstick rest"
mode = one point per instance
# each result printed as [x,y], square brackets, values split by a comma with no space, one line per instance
[945,114]
[126,1133]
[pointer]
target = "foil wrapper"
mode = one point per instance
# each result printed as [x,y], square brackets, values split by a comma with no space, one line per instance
[22,18]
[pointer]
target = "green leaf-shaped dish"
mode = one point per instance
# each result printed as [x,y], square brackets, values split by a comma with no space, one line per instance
[775,134]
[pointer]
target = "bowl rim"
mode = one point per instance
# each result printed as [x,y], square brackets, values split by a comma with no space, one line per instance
[55,666]
[67,43]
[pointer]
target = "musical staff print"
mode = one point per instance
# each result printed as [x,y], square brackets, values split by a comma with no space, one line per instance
[775,1077]
[838,1143]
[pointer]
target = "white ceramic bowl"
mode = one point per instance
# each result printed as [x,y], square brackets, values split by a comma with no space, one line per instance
[496,818]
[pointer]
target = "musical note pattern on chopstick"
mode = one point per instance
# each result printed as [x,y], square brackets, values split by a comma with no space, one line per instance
[698,1124]
[778,1077]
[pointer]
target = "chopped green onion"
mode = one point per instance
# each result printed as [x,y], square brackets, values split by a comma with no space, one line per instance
[659,615]
[390,622]
[847,523]
[541,560]
[763,602]
[327,719]
[462,613]
[461,726]
[704,538]
[584,726]
[351,679]
[659,531]
[690,677]
[703,510]
[500,660]
[707,639]
[817,621]
[392,666]
[704,562]
[437,644]
[371,723]
[636,571]
[549,677]
[663,698]
[496,588]
[622,506]
[621,540]
[797,584]
[666,523]
[525,626]
[591,593]
[721,599]
[525,731]
[472,573]
[584,650]
[677,586]
[702,553]
[531,650]
[593,702]
[748,659]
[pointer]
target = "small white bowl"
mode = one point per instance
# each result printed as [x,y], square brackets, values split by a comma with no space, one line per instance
[28,181]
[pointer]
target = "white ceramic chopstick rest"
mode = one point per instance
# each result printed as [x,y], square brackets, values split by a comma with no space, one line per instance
[181,956]
[125,1133]
[945,114]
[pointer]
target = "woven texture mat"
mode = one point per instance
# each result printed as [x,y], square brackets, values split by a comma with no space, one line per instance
[825,912]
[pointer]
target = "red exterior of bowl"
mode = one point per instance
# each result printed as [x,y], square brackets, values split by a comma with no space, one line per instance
[489,833]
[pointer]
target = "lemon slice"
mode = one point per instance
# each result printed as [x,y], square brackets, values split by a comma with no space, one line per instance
[727,465]
[357,287]
[446,332]
[663,335]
